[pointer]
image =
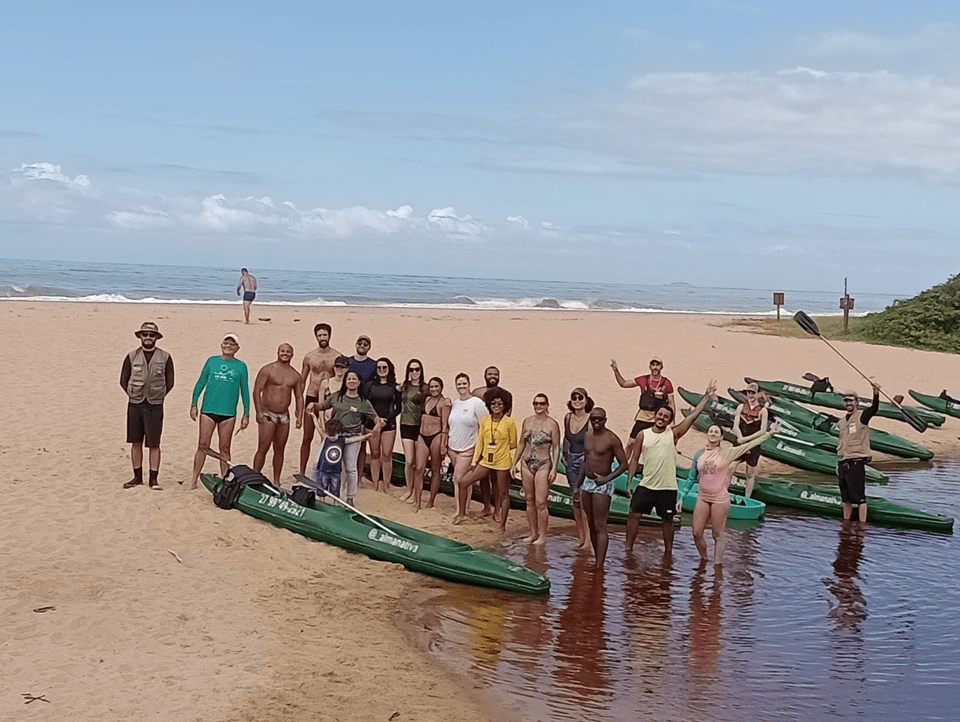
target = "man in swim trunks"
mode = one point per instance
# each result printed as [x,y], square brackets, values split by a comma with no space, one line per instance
[600,447]
[656,391]
[656,447]
[146,377]
[317,367]
[248,284]
[275,384]
[491,377]
[853,448]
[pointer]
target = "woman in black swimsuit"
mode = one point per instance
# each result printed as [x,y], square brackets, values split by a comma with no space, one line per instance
[575,427]
[383,393]
[432,441]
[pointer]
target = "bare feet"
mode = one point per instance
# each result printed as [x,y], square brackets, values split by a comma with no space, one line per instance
[458,519]
[530,538]
[540,541]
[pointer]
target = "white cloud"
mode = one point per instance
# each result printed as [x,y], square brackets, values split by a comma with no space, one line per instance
[51,172]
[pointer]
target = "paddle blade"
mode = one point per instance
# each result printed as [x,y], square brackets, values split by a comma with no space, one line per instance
[811,377]
[915,421]
[806,323]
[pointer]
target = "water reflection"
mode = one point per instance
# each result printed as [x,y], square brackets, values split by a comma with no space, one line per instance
[781,631]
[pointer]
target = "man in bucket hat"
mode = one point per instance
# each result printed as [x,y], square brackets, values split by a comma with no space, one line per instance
[146,377]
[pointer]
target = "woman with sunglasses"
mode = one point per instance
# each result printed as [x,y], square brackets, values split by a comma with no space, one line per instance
[352,410]
[496,442]
[466,415]
[382,393]
[431,441]
[576,424]
[750,419]
[537,461]
[413,392]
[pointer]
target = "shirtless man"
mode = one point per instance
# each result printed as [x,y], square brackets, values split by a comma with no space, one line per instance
[491,377]
[275,383]
[657,448]
[600,447]
[248,284]
[317,367]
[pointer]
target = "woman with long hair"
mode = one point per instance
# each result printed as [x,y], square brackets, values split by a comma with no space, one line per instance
[496,443]
[713,467]
[576,425]
[382,393]
[431,441]
[413,392]
[536,458]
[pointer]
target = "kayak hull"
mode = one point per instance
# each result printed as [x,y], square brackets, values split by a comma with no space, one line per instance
[939,405]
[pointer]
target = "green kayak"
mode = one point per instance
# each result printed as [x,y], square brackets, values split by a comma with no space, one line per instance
[882,441]
[833,400]
[741,507]
[414,549]
[794,452]
[559,500]
[941,405]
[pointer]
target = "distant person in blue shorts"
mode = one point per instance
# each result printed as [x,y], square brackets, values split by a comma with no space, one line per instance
[248,285]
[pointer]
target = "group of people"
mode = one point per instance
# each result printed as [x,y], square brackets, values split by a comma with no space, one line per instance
[350,402]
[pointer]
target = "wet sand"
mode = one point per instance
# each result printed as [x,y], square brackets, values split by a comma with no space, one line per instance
[256,623]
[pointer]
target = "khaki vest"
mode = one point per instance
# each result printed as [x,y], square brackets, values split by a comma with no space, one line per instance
[854,437]
[148,382]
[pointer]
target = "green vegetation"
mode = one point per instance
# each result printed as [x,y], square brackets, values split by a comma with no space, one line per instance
[930,320]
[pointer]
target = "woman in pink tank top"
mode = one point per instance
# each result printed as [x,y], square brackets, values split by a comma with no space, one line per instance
[713,468]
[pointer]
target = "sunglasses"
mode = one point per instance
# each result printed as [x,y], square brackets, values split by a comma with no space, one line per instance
[577,397]
[415,369]
[382,367]
[147,334]
[539,403]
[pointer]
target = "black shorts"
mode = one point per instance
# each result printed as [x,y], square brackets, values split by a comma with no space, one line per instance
[409,431]
[663,500]
[218,418]
[852,478]
[249,295]
[752,457]
[638,427]
[145,424]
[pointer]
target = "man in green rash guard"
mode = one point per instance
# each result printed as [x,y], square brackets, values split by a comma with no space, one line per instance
[222,382]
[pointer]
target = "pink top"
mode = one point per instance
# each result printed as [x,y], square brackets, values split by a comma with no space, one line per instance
[714,471]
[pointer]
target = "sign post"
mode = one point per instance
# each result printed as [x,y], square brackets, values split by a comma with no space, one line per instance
[846,303]
[778,301]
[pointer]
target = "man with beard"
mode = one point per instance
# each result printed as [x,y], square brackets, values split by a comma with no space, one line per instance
[275,384]
[657,448]
[146,377]
[361,362]
[853,448]
[491,377]
[600,447]
[317,367]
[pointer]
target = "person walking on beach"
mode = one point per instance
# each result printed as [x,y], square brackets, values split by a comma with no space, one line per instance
[853,449]
[248,287]
[656,391]
[275,384]
[146,377]
[601,447]
[750,419]
[223,381]
[712,468]
[536,462]
[317,367]
[576,425]
[656,447]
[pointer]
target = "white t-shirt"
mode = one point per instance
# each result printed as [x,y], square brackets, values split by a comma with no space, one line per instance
[464,421]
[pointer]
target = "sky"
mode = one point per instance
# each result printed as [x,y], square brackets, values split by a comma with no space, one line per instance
[717,142]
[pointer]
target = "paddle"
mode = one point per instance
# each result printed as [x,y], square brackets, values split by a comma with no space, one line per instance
[811,377]
[220,457]
[307,481]
[810,326]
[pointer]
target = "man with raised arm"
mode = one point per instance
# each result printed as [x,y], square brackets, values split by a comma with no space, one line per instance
[276,383]
[317,367]
[853,449]
[656,391]
[656,447]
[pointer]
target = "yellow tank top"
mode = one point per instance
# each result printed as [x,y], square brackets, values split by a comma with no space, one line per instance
[659,459]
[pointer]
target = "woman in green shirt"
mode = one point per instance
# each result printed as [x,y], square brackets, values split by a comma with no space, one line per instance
[413,392]
[223,381]
[352,410]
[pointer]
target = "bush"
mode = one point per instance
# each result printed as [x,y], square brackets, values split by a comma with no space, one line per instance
[929,320]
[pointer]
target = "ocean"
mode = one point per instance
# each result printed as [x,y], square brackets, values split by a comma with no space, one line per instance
[132,283]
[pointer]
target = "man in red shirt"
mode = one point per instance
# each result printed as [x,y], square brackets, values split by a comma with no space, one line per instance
[656,391]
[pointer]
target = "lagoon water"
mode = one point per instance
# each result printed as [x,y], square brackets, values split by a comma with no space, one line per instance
[809,620]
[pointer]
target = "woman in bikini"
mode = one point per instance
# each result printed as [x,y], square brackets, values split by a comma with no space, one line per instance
[413,391]
[575,427]
[537,457]
[432,440]
[382,392]
[713,467]
[496,442]
[466,414]
[750,419]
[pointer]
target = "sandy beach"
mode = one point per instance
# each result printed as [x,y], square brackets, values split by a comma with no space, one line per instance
[132,604]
